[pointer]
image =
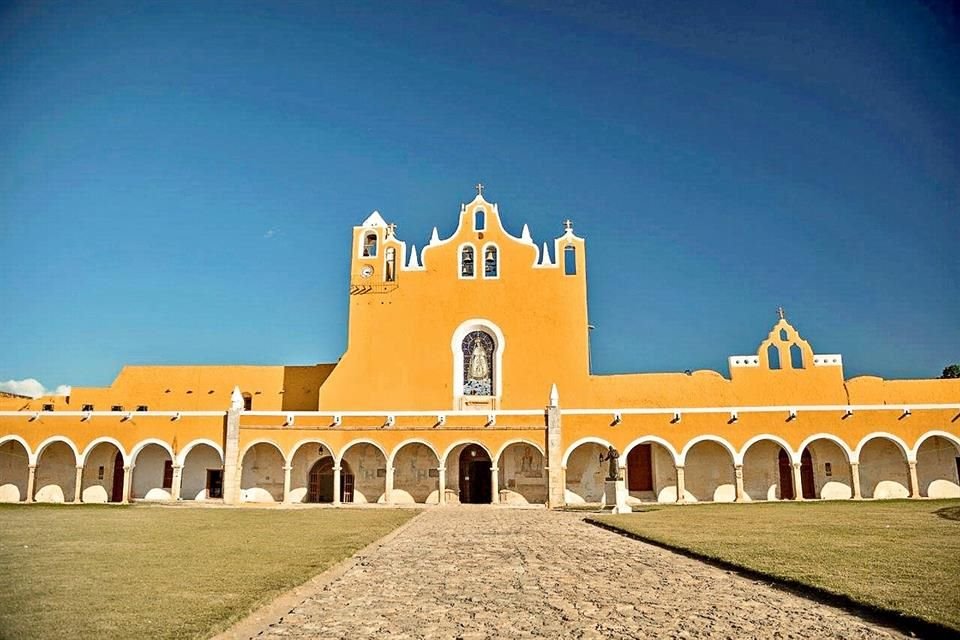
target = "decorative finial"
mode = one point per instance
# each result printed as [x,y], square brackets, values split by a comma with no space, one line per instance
[479,188]
[568,224]
[391,229]
[780,312]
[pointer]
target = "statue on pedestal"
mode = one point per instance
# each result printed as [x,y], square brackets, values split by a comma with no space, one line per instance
[612,455]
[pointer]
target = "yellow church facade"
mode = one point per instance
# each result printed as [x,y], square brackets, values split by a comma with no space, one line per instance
[503,410]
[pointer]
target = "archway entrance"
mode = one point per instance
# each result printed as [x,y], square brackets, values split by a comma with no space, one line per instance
[475,478]
[320,483]
[808,487]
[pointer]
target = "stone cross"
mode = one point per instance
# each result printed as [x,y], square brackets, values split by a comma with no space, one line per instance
[479,188]
[780,312]
[391,229]
[568,224]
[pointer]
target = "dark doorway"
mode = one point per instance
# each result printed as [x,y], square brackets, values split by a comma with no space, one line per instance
[214,483]
[806,476]
[320,485]
[116,494]
[640,468]
[786,476]
[475,477]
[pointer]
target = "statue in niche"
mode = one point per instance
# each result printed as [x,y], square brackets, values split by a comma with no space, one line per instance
[612,455]
[479,367]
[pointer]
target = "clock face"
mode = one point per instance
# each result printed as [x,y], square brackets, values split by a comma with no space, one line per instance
[366,271]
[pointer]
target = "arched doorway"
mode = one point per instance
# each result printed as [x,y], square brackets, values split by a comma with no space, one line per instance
[938,468]
[650,473]
[807,487]
[102,475]
[56,475]
[786,475]
[116,488]
[14,471]
[475,480]
[320,482]
[709,473]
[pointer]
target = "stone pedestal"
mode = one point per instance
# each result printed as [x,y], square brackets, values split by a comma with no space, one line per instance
[615,493]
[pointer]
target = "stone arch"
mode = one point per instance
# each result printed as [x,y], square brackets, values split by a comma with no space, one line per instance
[363,465]
[584,474]
[411,463]
[301,460]
[649,464]
[258,441]
[708,463]
[521,477]
[84,456]
[830,459]
[262,475]
[152,475]
[57,460]
[764,478]
[467,468]
[201,470]
[14,468]
[904,449]
[883,466]
[938,470]
[102,478]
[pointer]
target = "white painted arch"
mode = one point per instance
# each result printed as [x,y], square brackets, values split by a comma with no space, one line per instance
[343,451]
[955,439]
[251,445]
[794,456]
[496,460]
[293,452]
[708,438]
[577,443]
[52,439]
[104,439]
[449,450]
[851,456]
[140,446]
[907,451]
[396,450]
[26,447]
[646,440]
[182,457]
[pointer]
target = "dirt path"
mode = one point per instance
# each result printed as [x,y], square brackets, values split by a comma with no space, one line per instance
[481,572]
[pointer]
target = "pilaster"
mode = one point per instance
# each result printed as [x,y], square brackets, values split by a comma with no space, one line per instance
[78,485]
[231,457]
[555,486]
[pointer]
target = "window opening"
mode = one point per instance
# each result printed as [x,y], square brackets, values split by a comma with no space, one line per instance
[773,356]
[478,348]
[100,473]
[490,262]
[370,245]
[796,356]
[87,407]
[479,220]
[466,262]
[783,335]
[570,260]
[247,402]
[391,265]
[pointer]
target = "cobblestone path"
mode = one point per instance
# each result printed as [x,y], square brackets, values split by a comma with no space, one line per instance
[482,572]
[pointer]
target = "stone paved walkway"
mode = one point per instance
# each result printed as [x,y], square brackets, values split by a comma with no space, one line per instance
[481,572]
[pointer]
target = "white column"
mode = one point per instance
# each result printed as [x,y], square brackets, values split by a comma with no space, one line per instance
[127,481]
[336,486]
[494,485]
[442,485]
[78,485]
[177,483]
[738,475]
[855,476]
[388,498]
[797,482]
[31,482]
[286,483]
[914,482]
[681,489]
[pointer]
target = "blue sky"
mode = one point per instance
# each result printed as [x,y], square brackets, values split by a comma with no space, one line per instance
[178,180]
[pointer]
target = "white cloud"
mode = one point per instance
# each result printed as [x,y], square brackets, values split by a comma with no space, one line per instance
[32,387]
[270,233]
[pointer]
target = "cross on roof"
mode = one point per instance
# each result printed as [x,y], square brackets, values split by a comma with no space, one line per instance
[780,312]
[568,224]
[479,188]
[391,229]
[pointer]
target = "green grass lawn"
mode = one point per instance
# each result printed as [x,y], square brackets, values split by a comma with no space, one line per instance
[899,555]
[163,572]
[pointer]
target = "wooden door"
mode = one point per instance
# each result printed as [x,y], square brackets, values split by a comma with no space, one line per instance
[806,476]
[116,494]
[640,468]
[786,476]
[475,477]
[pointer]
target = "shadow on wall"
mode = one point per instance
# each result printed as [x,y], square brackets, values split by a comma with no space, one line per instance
[301,386]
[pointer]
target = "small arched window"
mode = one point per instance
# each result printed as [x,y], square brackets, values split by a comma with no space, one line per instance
[796,356]
[466,262]
[479,220]
[773,356]
[247,402]
[391,264]
[370,245]
[490,267]
[570,260]
[783,335]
